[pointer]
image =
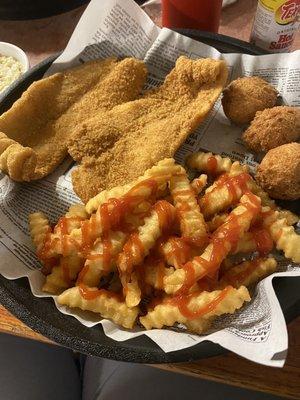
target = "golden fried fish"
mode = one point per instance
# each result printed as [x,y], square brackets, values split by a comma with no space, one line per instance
[115,147]
[36,128]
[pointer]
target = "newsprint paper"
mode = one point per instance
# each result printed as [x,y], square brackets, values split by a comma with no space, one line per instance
[120,28]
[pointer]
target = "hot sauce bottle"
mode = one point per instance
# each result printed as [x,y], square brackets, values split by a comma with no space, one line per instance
[275,24]
[192,14]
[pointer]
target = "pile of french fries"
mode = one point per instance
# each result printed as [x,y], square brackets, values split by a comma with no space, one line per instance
[161,250]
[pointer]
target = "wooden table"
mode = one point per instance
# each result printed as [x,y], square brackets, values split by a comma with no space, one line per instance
[41,38]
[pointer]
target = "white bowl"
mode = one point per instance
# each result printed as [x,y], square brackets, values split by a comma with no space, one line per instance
[10,50]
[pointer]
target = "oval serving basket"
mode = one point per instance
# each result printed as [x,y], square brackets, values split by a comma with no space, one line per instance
[41,314]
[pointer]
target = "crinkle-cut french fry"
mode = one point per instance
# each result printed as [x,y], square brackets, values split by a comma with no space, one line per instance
[197,310]
[63,275]
[246,244]
[101,302]
[102,197]
[138,245]
[248,272]
[192,224]
[209,163]
[290,217]
[77,210]
[107,217]
[76,241]
[230,304]
[154,273]
[223,240]
[137,216]
[225,192]
[176,251]
[39,229]
[216,221]
[72,220]
[133,293]
[164,168]
[266,201]
[284,236]
[235,170]
[59,242]
[256,239]
[198,279]
[198,184]
[102,258]
[110,214]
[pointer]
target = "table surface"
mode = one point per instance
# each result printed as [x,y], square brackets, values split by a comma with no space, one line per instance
[41,38]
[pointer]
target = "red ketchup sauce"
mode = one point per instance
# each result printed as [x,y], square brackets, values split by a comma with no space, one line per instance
[212,165]
[66,271]
[132,254]
[180,251]
[236,279]
[236,186]
[223,240]
[111,214]
[263,240]
[82,274]
[182,302]
[133,250]
[182,207]
[64,230]
[166,215]
[105,257]
[160,274]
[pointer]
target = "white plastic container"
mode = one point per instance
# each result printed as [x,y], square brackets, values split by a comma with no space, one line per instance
[10,71]
[10,50]
[275,24]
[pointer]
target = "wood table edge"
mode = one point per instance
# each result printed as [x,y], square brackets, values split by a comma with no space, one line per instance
[9,324]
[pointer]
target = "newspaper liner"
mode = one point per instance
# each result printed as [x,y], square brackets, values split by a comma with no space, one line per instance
[111,27]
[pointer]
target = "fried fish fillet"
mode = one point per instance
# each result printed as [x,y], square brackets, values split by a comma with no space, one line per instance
[117,146]
[34,132]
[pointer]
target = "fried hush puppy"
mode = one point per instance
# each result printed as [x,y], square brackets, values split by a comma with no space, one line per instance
[273,127]
[243,97]
[279,172]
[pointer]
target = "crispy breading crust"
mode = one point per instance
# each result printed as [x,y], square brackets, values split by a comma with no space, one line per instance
[36,128]
[114,147]
[273,127]
[243,97]
[279,172]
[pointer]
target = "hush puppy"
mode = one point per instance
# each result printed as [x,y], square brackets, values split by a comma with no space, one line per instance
[279,172]
[273,127]
[243,97]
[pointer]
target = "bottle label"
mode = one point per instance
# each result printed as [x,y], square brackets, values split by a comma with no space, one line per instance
[275,24]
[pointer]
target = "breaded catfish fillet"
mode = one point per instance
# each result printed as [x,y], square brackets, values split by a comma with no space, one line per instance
[36,128]
[117,146]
